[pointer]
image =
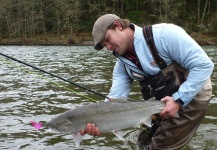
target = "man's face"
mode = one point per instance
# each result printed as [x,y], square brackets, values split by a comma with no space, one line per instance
[116,40]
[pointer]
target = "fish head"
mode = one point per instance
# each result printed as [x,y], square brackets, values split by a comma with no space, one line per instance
[60,125]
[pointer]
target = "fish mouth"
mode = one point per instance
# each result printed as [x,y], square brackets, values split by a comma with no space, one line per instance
[51,126]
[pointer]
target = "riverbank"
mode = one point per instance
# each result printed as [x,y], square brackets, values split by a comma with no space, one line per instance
[204,39]
[85,39]
[51,39]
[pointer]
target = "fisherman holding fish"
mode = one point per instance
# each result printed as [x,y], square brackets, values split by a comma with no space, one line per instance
[169,65]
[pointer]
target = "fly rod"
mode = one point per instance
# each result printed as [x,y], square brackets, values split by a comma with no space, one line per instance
[51,74]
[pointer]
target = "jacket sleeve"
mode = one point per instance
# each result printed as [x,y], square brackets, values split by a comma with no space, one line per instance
[121,82]
[176,44]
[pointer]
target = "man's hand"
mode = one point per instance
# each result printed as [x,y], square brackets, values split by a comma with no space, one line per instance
[91,129]
[171,107]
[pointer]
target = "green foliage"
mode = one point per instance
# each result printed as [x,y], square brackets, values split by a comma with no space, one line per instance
[136,17]
[28,18]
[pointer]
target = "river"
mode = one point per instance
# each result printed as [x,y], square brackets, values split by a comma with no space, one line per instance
[27,94]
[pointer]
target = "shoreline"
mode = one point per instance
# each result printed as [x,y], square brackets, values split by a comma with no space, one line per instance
[85,39]
[85,43]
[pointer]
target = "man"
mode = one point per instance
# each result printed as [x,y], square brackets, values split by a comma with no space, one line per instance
[137,62]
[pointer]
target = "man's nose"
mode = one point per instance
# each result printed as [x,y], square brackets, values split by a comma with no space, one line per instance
[108,46]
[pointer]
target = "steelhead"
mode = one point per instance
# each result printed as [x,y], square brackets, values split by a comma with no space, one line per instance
[109,116]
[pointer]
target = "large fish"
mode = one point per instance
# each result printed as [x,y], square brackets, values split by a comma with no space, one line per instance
[109,116]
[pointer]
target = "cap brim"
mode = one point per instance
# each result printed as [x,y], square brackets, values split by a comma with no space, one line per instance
[98,46]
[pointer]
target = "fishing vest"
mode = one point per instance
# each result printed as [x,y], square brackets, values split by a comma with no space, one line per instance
[133,71]
[165,83]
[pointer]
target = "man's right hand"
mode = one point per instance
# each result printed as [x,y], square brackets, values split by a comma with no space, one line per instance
[91,129]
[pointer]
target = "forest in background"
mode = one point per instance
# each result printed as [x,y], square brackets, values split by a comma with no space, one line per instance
[71,21]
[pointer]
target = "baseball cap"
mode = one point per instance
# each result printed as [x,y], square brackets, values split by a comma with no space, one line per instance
[100,27]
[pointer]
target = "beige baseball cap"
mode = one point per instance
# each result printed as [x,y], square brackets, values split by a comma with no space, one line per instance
[100,27]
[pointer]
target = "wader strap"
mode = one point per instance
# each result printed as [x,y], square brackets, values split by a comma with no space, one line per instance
[148,35]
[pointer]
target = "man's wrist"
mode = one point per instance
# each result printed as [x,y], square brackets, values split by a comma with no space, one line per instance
[180,102]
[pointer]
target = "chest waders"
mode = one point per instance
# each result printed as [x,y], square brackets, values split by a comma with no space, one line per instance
[165,83]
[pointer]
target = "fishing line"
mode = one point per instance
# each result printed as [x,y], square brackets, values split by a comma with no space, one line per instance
[60,85]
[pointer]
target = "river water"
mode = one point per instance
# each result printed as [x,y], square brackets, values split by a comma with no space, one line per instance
[27,94]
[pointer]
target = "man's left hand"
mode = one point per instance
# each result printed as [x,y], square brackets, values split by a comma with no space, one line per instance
[171,108]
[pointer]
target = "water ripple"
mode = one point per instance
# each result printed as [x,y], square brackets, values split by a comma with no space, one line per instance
[27,94]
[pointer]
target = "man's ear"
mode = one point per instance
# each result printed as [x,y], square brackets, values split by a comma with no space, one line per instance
[118,25]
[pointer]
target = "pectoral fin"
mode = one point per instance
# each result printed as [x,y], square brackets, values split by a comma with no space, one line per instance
[147,122]
[119,134]
[176,116]
[77,138]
